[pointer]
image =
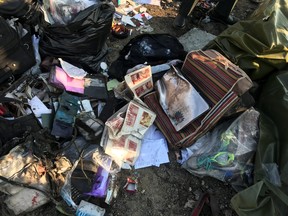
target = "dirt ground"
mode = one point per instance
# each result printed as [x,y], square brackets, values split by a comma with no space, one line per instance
[168,190]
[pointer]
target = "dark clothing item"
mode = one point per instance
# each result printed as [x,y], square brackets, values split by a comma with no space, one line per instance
[223,8]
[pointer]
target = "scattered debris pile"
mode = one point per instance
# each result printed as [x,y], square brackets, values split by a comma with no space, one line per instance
[70,122]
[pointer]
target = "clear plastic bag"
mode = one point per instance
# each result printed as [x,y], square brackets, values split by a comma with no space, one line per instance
[91,164]
[63,11]
[227,152]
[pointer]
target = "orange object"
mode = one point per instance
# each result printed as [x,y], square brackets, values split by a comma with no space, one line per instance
[120,31]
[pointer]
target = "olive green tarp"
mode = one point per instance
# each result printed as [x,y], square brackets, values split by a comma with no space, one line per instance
[265,198]
[258,44]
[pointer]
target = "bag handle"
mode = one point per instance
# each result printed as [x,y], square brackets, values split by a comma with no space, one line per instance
[13,100]
[8,100]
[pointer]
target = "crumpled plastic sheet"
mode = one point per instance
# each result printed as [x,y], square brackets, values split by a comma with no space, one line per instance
[258,44]
[226,153]
[268,196]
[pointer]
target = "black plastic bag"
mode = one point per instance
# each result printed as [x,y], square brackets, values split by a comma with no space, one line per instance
[82,42]
[26,10]
[16,52]
[152,49]
[17,127]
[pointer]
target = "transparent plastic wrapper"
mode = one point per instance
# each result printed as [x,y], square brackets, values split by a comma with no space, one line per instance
[100,184]
[21,165]
[63,11]
[227,153]
[79,153]
[272,173]
[86,209]
[105,161]
[88,161]
[66,191]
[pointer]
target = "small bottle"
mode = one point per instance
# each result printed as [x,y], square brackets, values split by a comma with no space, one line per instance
[104,68]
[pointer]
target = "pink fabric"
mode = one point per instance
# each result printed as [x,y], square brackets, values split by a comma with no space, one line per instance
[70,84]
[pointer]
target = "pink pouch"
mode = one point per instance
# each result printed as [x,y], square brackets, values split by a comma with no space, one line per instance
[60,79]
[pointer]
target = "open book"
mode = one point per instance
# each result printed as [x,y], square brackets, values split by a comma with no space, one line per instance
[125,133]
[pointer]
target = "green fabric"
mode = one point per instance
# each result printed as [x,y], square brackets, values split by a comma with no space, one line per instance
[265,198]
[274,103]
[261,199]
[259,44]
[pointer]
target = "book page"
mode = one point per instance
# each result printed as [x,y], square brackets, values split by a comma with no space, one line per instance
[126,148]
[140,81]
[137,120]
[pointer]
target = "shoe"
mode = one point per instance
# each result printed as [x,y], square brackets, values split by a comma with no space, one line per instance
[179,22]
[230,20]
[221,159]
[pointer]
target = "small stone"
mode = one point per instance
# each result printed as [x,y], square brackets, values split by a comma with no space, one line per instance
[197,194]
[189,204]
[228,212]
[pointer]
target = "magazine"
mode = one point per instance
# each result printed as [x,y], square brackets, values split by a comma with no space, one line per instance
[115,125]
[140,81]
[137,120]
[126,148]
[125,131]
[179,99]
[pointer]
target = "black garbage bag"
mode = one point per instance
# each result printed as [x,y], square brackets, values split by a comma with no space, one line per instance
[17,127]
[82,42]
[152,49]
[27,11]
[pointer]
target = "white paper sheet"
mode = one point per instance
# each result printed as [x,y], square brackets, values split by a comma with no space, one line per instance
[86,107]
[71,70]
[139,16]
[151,2]
[127,20]
[38,107]
[154,149]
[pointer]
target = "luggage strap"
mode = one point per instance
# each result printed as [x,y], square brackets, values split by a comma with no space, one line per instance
[206,198]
